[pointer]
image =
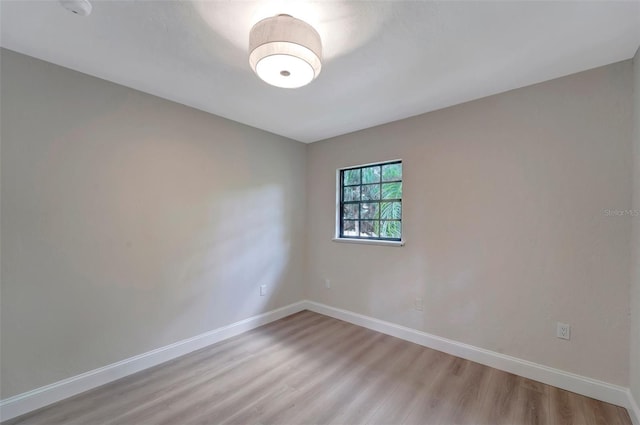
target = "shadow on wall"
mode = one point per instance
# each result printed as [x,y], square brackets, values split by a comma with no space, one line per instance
[252,248]
[245,247]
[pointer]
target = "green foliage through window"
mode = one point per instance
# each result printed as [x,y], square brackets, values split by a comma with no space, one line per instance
[371,202]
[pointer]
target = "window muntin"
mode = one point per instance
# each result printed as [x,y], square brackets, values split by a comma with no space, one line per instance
[371,202]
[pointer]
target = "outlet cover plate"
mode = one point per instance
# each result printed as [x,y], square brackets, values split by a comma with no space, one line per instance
[563,331]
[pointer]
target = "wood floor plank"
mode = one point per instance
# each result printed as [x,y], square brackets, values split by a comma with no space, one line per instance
[404,390]
[600,413]
[315,394]
[309,368]
[436,401]
[533,406]
[471,393]
[304,381]
[363,359]
[565,407]
[364,387]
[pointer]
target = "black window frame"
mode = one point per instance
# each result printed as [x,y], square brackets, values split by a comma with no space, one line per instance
[342,202]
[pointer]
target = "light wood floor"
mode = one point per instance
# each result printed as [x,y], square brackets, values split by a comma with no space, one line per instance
[309,368]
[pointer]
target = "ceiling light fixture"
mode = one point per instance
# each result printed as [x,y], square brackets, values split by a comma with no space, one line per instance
[285,51]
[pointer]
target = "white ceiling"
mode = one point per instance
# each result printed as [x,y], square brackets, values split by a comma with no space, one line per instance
[383,60]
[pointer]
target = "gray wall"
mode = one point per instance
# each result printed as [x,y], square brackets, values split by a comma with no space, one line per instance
[130,222]
[504,220]
[635,270]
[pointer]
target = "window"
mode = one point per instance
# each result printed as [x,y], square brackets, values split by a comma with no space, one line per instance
[370,206]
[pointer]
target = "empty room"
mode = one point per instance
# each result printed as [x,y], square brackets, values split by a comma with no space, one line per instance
[319,212]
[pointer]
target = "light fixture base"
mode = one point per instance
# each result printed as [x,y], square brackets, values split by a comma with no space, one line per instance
[78,7]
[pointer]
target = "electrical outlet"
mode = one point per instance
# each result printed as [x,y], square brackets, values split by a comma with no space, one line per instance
[263,290]
[417,304]
[563,331]
[327,283]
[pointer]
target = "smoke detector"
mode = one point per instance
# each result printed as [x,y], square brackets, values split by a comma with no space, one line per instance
[78,7]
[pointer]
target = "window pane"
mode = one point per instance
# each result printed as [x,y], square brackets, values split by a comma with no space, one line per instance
[369,211]
[371,174]
[391,172]
[370,192]
[370,228]
[392,190]
[351,193]
[371,201]
[350,228]
[390,229]
[350,211]
[391,210]
[351,177]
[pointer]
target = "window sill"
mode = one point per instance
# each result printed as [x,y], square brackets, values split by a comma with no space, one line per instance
[369,242]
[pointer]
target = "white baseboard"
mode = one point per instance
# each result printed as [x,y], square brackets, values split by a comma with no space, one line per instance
[633,409]
[593,388]
[43,396]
